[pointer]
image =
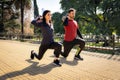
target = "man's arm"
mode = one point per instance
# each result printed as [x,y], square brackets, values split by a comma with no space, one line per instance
[79,34]
[65,21]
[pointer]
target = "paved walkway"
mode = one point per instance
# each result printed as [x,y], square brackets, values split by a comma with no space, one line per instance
[15,64]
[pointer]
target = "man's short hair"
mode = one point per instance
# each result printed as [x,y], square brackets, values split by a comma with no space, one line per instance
[71,9]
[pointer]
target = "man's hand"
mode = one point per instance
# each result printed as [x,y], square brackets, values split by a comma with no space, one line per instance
[63,18]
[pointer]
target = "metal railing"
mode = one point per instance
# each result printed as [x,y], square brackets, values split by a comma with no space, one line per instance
[104,43]
[110,44]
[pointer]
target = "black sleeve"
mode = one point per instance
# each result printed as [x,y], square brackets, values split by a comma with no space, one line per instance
[65,23]
[35,23]
[79,34]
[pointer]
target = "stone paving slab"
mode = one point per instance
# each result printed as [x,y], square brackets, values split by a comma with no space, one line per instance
[15,64]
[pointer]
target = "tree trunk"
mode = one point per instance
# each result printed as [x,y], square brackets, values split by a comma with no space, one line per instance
[1,23]
[22,18]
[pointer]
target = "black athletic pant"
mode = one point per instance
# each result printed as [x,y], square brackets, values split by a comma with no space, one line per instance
[68,45]
[43,48]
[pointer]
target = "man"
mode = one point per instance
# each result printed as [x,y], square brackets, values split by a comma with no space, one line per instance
[71,32]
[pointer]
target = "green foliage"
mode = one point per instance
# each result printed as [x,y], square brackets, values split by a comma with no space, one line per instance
[112,14]
[36,12]
[26,4]
[12,26]
[57,22]
[7,14]
[12,9]
[95,16]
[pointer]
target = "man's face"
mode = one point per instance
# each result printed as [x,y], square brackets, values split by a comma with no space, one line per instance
[71,14]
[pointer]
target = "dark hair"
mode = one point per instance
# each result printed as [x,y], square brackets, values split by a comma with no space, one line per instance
[44,14]
[71,9]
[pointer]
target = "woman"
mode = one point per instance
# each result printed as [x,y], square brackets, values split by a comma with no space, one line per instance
[47,41]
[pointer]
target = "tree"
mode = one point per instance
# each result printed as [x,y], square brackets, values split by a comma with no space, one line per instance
[12,27]
[86,14]
[102,16]
[23,5]
[111,14]
[57,22]
[3,6]
[36,14]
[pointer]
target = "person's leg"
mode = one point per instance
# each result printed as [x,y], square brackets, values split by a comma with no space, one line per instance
[81,44]
[57,48]
[67,48]
[42,50]
[57,51]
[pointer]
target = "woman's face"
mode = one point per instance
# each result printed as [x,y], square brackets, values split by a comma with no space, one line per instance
[48,16]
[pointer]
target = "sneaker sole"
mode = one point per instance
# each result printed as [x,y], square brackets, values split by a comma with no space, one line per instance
[78,58]
[57,65]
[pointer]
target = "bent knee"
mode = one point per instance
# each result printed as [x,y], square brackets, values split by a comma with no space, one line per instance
[59,46]
[39,58]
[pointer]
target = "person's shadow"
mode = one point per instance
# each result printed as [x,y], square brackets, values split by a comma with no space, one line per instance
[33,69]
[65,61]
[71,63]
